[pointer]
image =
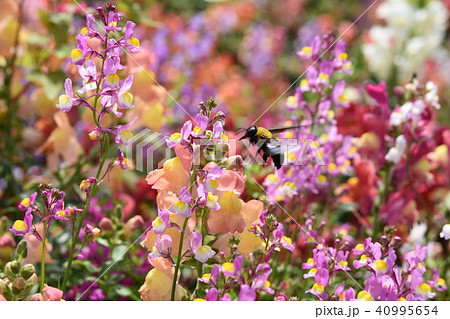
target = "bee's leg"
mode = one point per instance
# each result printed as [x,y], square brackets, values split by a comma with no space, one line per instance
[265,156]
[260,147]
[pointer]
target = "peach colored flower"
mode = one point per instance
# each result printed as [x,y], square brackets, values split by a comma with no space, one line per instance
[174,233]
[158,282]
[175,172]
[52,294]
[62,143]
[234,214]
[229,180]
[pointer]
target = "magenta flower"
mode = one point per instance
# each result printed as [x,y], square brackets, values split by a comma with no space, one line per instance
[162,222]
[66,101]
[247,293]
[23,227]
[78,55]
[112,21]
[27,203]
[88,73]
[212,295]
[130,42]
[202,252]
[163,245]
[181,207]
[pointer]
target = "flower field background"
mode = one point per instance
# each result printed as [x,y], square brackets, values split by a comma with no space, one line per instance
[350,202]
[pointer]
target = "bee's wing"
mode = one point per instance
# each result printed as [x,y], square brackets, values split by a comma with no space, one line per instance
[282,129]
[273,149]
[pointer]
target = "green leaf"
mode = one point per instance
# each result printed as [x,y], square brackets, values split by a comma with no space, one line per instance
[119,252]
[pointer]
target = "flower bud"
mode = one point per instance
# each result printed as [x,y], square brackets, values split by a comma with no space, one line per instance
[7,245]
[8,271]
[27,271]
[106,224]
[94,135]
[136,222]
[33,279]
[15,266]
[5,290]
[19,283]
[22,250]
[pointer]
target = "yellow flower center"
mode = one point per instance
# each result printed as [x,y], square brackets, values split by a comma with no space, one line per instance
[134,42]
[291,157]
[342,98]
[288,135]
[206,276]
[212,197]
[321,179]
[359,247]
[342,56]
[113,24]
[310,261]
[380,265]
[84,31]
[25,202]
[307,50]
[292,101]
[179,205]
[324,77]
[112,79]
[286,240]
[317,288]
[312,272]
[364,295]
[290,185]
[61,213]
[304,83]
[20,225]
[331,166]
[175,137]
[127,98]
[424,289]
[440,283]
[84,185]
[228,267]
[197,130]
[63,99]
[76,54]
[267,284]
[126,135]
[343,263]
[272,179]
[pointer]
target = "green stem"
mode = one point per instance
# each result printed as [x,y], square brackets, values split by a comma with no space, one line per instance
[83,215]
[383,199]
[44,239]
[177,266]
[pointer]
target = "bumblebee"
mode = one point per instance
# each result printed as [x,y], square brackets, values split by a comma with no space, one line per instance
[269,145]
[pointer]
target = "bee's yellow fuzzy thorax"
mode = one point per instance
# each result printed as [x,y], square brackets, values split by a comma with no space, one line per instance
[264,133]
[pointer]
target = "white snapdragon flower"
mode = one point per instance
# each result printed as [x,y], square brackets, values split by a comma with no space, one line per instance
[412,34]
[395,154]
[445,233]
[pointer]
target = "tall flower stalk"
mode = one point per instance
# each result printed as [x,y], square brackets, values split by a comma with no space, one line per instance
[105,87]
